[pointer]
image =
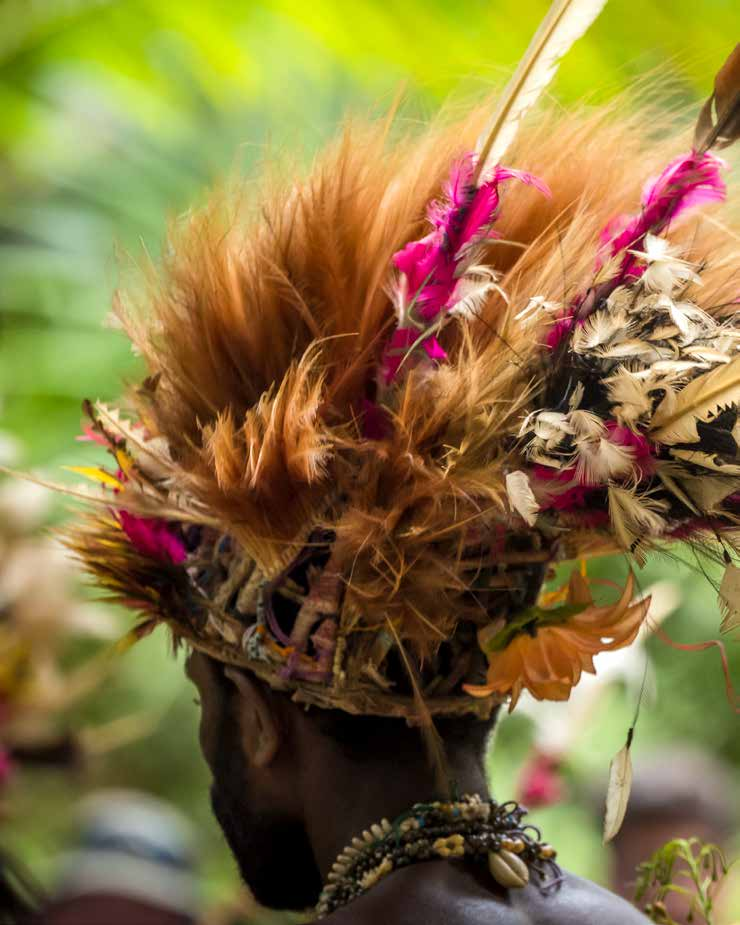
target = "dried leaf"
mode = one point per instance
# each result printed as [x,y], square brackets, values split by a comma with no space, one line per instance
[709,491]
[665,472]
[618,791]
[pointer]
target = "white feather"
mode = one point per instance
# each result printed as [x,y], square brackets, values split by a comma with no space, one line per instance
[586,424]
[536,304]
[634,347]
[552,425]
[472,291]
[599,328]
[565,22]
[665,270]
[600,460]
[622,299]
[662,332]
[629,392]
[708,355]
[676,369]
[521,497]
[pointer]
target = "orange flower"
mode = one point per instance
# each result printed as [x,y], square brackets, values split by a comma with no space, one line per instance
[548,659]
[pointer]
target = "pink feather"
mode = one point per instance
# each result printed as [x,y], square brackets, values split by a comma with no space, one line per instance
[689,181]
[462,219]
[434,264]
[155,539]
[401,340]
[92,436]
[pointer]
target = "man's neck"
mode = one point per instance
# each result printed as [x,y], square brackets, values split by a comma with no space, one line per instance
[348,798]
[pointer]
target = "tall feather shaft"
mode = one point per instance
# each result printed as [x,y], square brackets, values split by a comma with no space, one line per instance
[565,22]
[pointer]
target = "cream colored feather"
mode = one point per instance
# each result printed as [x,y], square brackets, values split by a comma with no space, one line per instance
[675,418]
[566,21]
[618,792]
[729,599]
[521,497]
[634,516]
[598,329]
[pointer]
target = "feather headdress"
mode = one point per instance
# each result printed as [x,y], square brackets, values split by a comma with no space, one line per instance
[371,424]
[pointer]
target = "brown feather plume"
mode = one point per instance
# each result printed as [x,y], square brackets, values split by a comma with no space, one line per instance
[262,336]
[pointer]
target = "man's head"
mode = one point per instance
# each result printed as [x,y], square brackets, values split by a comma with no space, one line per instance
[271,760]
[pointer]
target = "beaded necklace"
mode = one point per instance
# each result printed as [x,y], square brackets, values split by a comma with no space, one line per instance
[473,828]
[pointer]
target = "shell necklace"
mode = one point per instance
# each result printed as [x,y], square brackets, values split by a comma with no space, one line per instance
[471,827]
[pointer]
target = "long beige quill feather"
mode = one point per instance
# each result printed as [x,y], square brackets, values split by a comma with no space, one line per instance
[566,21]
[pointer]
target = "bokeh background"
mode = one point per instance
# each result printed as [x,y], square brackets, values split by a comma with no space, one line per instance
[116,116]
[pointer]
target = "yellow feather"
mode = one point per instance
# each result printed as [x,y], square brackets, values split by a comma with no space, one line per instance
[95,475]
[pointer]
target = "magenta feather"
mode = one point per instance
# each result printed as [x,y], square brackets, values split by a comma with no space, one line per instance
[433,266]
[689,181]
[153,538]
[461,220]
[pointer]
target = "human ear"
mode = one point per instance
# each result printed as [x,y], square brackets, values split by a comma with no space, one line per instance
[260,732]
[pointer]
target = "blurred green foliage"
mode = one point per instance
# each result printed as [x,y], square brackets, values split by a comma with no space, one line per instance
[117,115]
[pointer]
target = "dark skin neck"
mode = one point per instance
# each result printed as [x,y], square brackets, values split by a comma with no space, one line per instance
[346,798]
[340,798]
[291,766]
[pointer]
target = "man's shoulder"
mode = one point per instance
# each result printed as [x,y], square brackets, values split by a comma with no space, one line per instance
[574,901]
